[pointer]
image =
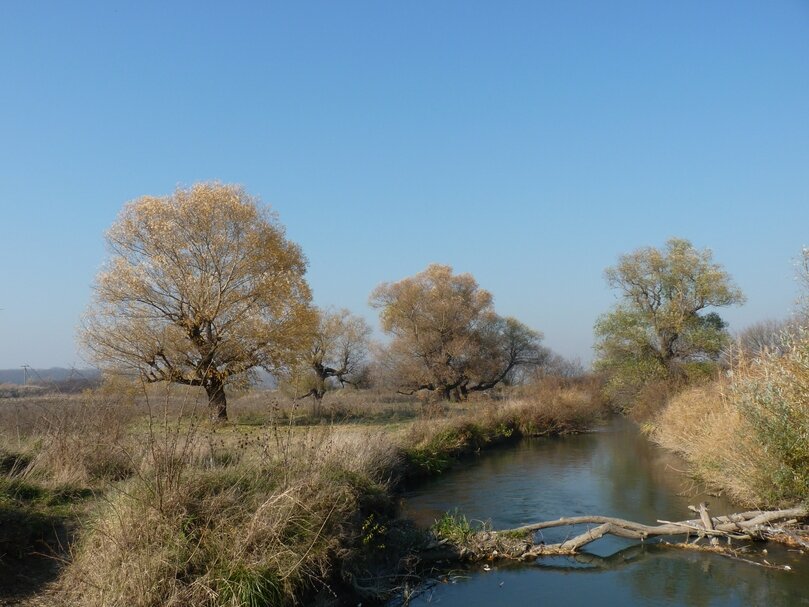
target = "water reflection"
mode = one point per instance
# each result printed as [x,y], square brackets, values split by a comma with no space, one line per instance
[615,473]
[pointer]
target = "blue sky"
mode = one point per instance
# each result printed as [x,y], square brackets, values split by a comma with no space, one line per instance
[529,143]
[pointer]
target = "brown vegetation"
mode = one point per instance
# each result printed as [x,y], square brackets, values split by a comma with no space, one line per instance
[336,356]
[447,337]
[177,511]
[747,432]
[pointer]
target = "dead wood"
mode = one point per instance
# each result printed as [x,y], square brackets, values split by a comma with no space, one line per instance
[520,543]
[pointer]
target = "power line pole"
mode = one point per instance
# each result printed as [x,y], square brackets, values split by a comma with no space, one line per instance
[25,374]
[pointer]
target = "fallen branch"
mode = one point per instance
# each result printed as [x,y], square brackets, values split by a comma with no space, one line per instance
[520,543]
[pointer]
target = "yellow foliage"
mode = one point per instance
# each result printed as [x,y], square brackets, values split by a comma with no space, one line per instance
[201,286]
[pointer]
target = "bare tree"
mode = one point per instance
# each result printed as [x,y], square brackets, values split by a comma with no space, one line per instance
[765,336]
[560,367]
[200,287]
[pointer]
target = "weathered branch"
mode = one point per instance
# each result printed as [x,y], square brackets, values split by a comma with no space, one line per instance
[412,391]
[520,543]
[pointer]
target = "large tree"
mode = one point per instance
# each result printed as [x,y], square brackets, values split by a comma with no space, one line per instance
[446,336]
[201,287]
[664,319]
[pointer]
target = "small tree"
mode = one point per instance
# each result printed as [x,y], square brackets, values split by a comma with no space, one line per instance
[447,337]
[200,287]
[661,322]
[337,355]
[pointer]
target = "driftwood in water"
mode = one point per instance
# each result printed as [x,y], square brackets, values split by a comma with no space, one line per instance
[520,543]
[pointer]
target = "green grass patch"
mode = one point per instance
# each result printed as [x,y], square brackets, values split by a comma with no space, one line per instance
[244,587]
[455,527]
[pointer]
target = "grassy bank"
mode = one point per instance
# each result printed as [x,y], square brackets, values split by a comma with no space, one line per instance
[747,433]
[434,443]
[172,511]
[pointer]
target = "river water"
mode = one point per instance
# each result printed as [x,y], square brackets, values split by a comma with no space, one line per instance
[613,472]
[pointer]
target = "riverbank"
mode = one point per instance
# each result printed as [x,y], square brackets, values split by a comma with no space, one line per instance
[747,432]
[175,511]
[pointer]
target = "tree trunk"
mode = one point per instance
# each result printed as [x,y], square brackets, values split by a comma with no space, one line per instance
[217,401]
[317,394]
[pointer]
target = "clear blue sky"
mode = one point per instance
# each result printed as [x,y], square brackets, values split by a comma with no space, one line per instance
[529,143]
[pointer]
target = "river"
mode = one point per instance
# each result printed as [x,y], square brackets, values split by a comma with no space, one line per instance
[614,472]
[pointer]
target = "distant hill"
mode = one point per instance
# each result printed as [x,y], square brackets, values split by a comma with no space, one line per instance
[47,376]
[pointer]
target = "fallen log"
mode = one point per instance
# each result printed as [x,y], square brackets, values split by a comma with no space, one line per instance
[521,543]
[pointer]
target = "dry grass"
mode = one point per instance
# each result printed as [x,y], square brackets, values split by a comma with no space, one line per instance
[220,539]
[709,430]
[246,514]
[260,527]
[337,407]
[748,433]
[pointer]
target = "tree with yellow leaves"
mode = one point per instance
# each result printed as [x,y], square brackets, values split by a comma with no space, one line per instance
[200,288]
[446,336]
[336,356]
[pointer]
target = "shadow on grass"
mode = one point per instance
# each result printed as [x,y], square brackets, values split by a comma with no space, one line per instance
[36,529]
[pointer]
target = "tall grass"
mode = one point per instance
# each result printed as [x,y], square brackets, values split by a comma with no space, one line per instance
[262,528]
[749,431]
[266,513]
[435,442]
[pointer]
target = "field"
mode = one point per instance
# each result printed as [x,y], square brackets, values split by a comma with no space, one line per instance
[129,496]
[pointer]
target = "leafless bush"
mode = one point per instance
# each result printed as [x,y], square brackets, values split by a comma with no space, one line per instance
[762,337]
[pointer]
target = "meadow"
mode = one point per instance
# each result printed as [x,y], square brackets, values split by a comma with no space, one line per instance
[129,495]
